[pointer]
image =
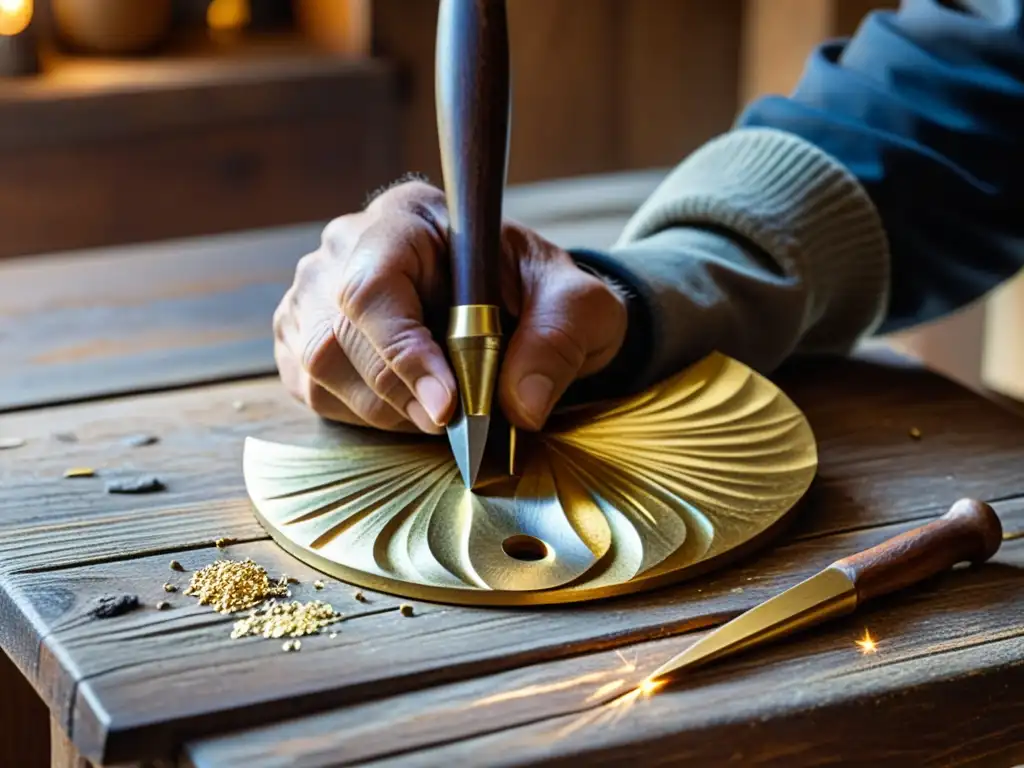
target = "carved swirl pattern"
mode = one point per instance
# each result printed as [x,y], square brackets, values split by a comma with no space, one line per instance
[627,496]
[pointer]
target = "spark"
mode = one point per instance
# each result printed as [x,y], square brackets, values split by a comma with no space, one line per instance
[537,690]
[627,666]
[606,690]
[867,643]
[647,687]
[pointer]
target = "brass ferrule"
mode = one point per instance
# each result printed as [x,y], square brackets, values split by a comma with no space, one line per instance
[472,320]
[474,343]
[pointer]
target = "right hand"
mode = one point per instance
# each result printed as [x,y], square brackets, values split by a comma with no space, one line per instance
[350,339]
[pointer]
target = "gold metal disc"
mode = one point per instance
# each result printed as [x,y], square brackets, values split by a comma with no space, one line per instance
[611,499]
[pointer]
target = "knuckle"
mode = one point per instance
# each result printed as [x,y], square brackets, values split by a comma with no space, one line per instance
[383,379]
[405,349]
[319,353]
[338,232]
[562,341]
[375,411]
[307,270]
[363,289]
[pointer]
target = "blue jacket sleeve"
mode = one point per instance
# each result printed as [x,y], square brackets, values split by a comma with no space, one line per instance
[925,105]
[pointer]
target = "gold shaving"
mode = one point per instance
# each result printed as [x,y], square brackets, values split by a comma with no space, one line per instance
[224,541]
[292,619]
[915,433]
[405,609]
[360,597]
[291,645]
[318,584]
[80,472]
[176,566]
[168,587]
[231,586]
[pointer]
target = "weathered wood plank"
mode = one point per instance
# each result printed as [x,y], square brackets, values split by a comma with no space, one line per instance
[82,100]
[129,319]
[25,731]
[677,76]
[871,471]
[622,84]
[804,702]
[133,686]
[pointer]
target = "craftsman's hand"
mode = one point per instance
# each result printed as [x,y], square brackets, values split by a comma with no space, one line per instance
[350,335]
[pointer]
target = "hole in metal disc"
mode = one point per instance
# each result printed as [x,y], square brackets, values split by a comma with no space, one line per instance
[523,547]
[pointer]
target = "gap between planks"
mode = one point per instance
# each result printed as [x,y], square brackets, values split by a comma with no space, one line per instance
[421,679]
[332,731]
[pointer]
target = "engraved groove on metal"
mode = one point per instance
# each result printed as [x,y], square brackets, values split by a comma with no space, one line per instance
[613,498]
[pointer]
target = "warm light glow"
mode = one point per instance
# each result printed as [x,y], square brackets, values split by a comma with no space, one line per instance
[15,16]
[627,666]
[226,15]
[536,690]
[647,687]
[606,690]
[867,643]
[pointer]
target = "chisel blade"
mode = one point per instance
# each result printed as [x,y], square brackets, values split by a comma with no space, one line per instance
[468,438]
[827,594]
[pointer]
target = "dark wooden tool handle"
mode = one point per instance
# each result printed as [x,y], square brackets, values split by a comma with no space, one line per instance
[472,92]
[970,531]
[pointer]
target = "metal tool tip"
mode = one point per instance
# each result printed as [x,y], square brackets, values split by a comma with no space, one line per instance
[468,438]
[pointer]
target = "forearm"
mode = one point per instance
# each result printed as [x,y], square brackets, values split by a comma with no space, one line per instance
[884,192]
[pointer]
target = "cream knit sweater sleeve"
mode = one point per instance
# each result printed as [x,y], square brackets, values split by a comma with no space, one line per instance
[758,245]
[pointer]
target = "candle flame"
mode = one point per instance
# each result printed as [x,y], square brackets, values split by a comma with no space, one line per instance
[15,16]
[867,643]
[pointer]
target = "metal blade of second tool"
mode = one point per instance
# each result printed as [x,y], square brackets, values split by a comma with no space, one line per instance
[827,594]
[468,438]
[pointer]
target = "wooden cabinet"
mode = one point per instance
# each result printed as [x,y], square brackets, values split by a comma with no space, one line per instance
[98,153]
[598,85]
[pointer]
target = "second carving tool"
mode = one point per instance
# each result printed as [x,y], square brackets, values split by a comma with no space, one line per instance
[969,532]
[472,93]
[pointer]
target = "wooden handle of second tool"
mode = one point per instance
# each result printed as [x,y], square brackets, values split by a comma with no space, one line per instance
[970,531]
[472,94]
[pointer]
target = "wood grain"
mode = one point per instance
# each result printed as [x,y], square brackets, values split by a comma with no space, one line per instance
[114,684]
[870,470]
[612,85]
[180,185]
[779,35]
[753,710]
[110,321]
[677,77]
[64,754]
[24,735]
[234,161]
[969,532]
[83,101]
[135,318]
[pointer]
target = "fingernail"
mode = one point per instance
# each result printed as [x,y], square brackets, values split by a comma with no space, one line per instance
[434,398]
[534,393]
[419,417]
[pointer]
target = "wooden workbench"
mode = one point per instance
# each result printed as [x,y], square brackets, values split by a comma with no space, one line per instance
[174,341]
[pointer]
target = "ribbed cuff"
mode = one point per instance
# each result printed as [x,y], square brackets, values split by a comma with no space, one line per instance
[797,204]
[624,374]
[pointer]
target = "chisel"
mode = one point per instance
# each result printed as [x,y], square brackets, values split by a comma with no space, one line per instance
[969,532]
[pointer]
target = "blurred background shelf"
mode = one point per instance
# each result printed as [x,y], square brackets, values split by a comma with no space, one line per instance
[295,115]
